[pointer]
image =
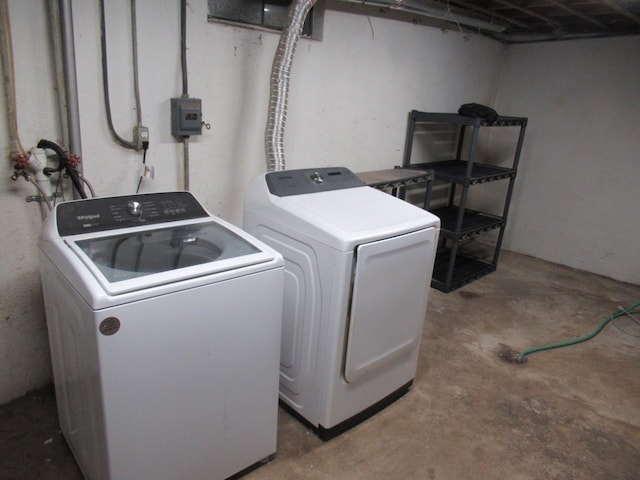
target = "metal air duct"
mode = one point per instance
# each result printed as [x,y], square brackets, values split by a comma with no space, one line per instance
[279,91]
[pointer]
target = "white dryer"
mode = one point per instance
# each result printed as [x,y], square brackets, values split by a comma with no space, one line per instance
[164,326]
[358,266]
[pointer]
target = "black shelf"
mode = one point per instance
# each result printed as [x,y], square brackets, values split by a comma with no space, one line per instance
[455,171]
[474,222]
[395,177]
[455,268]
[457,119]
[466,269]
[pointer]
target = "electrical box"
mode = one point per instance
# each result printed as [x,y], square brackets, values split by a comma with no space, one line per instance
[141,137]
[186,117]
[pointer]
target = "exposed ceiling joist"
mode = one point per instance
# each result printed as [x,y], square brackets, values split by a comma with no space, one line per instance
[540,20]
[473,6]
[573,11]
[517,21]
[622,10]
[527,11]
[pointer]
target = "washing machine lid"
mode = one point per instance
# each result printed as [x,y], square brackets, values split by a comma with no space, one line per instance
[136,242]
[137,259]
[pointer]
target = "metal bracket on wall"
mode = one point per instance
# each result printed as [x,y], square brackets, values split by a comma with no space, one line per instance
[39,199]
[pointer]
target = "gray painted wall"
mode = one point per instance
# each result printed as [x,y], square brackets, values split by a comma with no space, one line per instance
[578,189]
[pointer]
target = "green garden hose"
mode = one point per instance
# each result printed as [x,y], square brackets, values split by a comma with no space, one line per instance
[515,357]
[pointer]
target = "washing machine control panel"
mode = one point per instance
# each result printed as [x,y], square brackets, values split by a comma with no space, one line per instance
[311,180]
[98,214]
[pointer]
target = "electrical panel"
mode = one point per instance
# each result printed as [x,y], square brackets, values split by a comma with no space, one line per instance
[186,117]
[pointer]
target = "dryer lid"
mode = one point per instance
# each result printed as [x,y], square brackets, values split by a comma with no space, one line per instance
[348,217]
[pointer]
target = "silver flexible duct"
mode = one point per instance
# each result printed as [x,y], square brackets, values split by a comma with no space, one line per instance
[280,70]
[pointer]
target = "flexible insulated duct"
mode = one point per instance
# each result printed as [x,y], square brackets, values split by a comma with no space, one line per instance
[279,91]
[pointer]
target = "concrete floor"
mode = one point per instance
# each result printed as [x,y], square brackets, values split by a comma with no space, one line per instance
[572,413]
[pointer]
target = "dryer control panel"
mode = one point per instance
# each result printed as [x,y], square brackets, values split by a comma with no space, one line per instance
[311,180]
[109,213]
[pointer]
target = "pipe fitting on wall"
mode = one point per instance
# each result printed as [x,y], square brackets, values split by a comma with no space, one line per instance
[73,160]
[20,161]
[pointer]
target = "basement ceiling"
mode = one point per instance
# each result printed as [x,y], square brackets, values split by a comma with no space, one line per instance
[545,20]
[531,20]
[517,21]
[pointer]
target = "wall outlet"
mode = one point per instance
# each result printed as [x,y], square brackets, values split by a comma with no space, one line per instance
[140,135]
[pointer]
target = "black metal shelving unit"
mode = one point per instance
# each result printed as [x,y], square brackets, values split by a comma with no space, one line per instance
[455,268]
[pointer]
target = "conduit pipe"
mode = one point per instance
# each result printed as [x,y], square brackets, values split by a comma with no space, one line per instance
[279,83]
[57,54]
[185,88]
[71,81]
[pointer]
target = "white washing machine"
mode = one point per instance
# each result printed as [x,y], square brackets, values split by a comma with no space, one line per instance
[164,325]
[358,266]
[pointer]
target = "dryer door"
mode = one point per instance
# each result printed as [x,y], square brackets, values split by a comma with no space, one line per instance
[389,300]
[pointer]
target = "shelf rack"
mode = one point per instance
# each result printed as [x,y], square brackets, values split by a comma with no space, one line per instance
[455,268]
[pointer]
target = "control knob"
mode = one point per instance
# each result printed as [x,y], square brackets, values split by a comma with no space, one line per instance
[316,177]
[134,208]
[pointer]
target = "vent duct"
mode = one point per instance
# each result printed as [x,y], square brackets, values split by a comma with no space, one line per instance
[279,91]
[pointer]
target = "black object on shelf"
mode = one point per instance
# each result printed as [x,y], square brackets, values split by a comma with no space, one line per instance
[453,268]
